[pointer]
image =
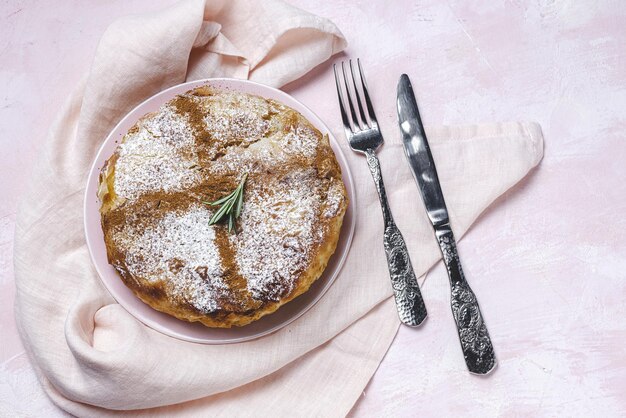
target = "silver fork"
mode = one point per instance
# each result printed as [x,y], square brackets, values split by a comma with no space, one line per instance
[364,136]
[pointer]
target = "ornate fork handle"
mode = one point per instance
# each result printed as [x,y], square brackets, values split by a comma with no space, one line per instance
[475,342]
[409,302]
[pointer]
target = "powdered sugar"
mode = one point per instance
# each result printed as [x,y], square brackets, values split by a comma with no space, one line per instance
[229,123]
[273,150]
[179,250]
[157,157]
[333,201]
[300,141]
[277,233]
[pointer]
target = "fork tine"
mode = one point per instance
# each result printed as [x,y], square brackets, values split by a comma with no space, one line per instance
[342,107]
[368,102]
[358,97]
[357,127]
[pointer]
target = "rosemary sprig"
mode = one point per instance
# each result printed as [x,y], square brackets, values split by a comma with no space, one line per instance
[230,205]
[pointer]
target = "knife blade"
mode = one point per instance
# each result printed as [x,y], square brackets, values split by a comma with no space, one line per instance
[473,335]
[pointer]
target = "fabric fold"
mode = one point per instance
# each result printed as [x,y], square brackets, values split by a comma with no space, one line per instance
[95,359]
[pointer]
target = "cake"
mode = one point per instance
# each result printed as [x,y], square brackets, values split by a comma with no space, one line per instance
[156,191]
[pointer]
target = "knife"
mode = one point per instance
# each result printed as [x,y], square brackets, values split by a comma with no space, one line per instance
[475,341]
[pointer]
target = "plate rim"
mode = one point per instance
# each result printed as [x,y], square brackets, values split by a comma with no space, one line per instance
[94,171]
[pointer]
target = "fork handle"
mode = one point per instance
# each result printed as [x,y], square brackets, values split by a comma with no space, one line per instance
[406,291]
[473,334]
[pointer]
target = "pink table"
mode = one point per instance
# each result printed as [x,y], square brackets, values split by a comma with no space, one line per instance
[548,259]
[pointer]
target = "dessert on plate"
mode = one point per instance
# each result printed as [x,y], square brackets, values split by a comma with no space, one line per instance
[221,206]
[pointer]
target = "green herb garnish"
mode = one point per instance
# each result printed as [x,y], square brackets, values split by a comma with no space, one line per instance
[230,206]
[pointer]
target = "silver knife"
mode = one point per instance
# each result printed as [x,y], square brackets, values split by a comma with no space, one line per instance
[475,341]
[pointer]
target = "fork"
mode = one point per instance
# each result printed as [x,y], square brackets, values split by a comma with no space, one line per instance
[364,136]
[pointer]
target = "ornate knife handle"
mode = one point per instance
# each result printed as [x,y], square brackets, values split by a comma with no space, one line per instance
[475,342]
[406,291]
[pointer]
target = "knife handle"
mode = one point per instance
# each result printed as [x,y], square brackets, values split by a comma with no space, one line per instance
[475,342]
[406,291]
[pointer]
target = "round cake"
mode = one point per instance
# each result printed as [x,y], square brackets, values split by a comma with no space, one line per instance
[162,188]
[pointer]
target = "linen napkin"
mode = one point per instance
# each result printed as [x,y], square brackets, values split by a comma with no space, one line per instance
[95,359]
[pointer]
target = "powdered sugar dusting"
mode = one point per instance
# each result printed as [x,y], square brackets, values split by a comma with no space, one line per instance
[230,123]
[157,157]
[301,141]
[273,150]
[244,131]
[180,251]
[334,199]
[277,234]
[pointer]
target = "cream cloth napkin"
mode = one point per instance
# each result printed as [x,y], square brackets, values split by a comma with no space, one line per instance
[95,359]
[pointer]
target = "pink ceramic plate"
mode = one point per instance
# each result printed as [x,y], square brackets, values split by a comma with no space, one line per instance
[193,331]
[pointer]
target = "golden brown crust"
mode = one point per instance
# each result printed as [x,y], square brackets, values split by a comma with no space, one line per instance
[194,149]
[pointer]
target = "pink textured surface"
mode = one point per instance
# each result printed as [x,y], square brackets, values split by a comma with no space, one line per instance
[547,260]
